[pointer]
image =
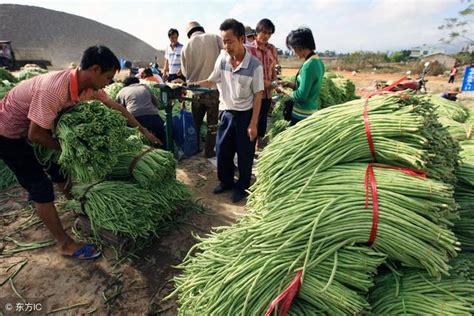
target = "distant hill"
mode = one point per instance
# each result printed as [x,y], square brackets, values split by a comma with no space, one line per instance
[63,36]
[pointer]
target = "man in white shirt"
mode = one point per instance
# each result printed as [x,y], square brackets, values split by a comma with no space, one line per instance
[172,68]
[239,79]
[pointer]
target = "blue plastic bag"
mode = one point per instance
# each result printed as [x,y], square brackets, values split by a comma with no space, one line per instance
[185,134]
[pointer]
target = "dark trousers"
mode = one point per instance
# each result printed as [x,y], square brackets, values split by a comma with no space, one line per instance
[232,138]
[172,77]
[206,103]
[294,120]
[451,79]
[263,118]
[19,156]
[155,125]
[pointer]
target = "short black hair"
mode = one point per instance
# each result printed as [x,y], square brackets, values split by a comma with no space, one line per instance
[234,25]
[130,80]
[100,55]
[173,31]
[301,38]
[265,24]
[148,72]
[194,30]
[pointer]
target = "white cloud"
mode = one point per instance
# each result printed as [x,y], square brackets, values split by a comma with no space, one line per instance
[342,25]
[245,7]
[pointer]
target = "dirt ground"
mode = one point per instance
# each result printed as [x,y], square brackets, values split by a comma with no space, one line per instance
[365,81]
[140,281]
[133,283]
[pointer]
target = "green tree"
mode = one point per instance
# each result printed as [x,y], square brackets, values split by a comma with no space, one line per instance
[396,57]
[460,28]
[465,57]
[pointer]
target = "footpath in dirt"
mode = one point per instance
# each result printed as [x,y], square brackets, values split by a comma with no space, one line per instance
[116,283]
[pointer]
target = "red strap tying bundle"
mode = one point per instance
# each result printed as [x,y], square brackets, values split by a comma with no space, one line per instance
[370,177]
[286,296]
[407,171]
[367,128]
[366,113]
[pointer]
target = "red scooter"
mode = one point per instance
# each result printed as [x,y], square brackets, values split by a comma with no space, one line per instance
[405,83]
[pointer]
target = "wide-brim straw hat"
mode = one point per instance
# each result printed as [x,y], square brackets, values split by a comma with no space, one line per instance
[192,25]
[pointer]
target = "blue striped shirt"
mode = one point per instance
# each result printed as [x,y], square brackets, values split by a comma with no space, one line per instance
[174,58]
[237,86]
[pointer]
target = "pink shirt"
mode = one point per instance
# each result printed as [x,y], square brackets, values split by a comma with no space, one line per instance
[267,55]
[40,99]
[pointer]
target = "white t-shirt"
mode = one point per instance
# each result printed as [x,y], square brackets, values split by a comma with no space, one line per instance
[237,87]
[174,58]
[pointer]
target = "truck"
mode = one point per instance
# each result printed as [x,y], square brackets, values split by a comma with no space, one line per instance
[14,60]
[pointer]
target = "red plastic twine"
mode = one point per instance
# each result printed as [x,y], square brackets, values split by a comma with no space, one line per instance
[286,296]
[370,179]
[367,128]
[366,113]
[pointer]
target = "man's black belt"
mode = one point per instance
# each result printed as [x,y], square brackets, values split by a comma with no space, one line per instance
[233,112]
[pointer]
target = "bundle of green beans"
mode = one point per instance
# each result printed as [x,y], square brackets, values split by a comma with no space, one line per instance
[6,75]
[92,137]
[5,86]
[405,198]
[459,131]
[278,123]
[113,89]
[335,89]
[414,292]
[465,172]
[447,108]
[463,266]
[405,133]
[239,269]
[149,167]
[334,284]
[7,177]
[45,155]
[127,209]
[153,86]
[464,195]
[346,87]
[30,72]
[470,118]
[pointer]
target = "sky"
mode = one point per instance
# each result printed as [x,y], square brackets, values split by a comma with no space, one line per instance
[339,25]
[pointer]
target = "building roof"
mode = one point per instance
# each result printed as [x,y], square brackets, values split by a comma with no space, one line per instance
[434,54]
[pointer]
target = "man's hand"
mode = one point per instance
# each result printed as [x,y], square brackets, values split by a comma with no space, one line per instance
[42,136]
[152,138]
[252,132]
[193,85]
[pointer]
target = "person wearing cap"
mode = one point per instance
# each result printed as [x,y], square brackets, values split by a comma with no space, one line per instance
[197,62]
[27,114]
[268,56]
[239,78]
[172,67]
[249,35]
[451,95]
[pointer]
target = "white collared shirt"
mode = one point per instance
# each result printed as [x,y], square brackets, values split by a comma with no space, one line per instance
[237,86]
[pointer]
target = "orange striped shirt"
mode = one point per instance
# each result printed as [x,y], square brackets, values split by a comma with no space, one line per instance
[40,99]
